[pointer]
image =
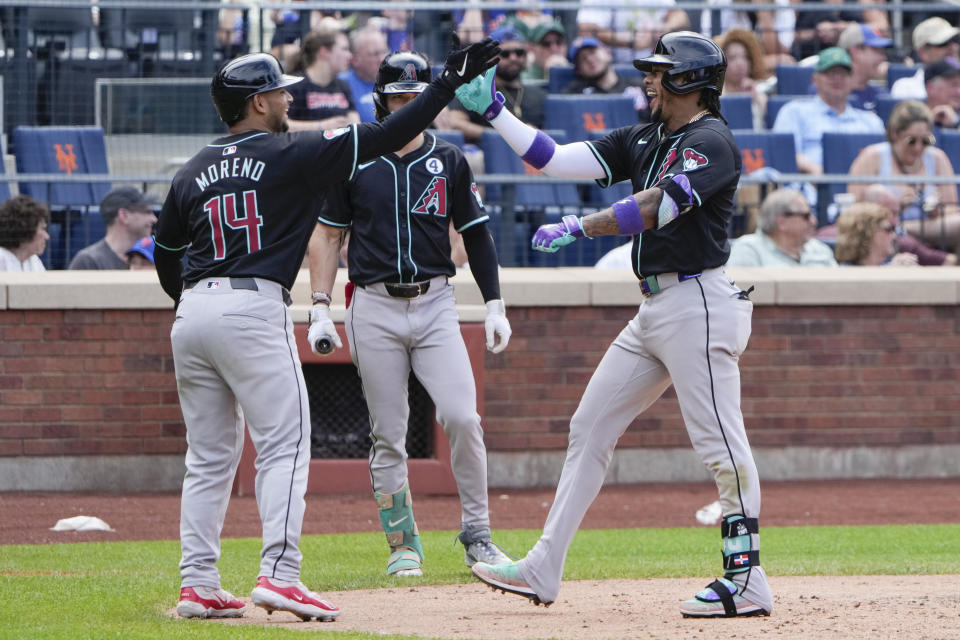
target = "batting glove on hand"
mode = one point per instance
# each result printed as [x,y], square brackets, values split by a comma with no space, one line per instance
[463,65]
[550,237]
[497,325]
[480,95]
[322,334]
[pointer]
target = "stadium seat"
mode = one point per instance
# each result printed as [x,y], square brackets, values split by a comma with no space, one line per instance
[558,78]
[839,151]
[766,149]
[885,107]
[774,104]
[69,151]
[897,71]
[498,157]
[578,115]
[794,80]
[738,110]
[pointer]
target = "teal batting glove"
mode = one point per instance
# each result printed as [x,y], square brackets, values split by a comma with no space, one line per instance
[480,95]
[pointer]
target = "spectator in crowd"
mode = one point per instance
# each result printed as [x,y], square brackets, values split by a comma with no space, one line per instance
[524,100]
[128,216]
[593,72]
[369,48]
[23,234]
[784,236]
[746,69]
[548,45]
[882,195]
[140,255]
[774,29]
[866,236]
[821,29]
[397,27]
[910,151]
[933,39]
[233,29]
[289,25]
[942,82]
[630,33]
[868,58]
[322,100]
[807,119]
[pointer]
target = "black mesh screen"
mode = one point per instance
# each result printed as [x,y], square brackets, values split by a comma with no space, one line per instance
[341,424]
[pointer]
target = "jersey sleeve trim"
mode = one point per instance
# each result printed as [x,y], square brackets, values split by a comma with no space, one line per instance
[608,180]
[356,147]
[331,223]
[163,246]
[473,223]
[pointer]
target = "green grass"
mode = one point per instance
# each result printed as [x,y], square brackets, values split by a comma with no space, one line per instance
[121,589]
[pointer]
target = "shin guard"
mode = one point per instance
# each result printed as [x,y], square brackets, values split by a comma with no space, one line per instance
[396,516]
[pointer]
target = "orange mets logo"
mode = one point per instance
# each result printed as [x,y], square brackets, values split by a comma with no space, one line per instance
[66,158]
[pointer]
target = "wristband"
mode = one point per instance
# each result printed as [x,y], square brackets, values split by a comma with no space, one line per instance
[320,297]
[540,151]
[629,217]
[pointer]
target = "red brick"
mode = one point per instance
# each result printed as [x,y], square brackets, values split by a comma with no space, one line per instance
[122,348]
[20,364]
[62,398]
[21,333]
[82,414]
[11,448]
[121,446]
[122,316]
[140,397]
[46,447]
[143,363]
[103,364]
[82,316]
[164,445]
[16,428]
[47,414]
[9,397]
[11,382]
[113,413]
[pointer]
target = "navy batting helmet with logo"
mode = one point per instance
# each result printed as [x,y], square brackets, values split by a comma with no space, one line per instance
[400,72]
[696,59]
[242,78]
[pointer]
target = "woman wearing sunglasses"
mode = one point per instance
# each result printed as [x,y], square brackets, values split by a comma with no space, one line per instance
[866,236]
[928,211]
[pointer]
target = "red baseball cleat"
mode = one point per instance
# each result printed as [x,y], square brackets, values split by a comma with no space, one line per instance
[207,602]
[284,595]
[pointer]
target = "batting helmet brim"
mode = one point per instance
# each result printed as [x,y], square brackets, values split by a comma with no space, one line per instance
[403,87]
[646,64]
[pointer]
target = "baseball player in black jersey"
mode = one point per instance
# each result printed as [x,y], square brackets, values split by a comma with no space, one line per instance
[242,211]
[691,328]
[401,313]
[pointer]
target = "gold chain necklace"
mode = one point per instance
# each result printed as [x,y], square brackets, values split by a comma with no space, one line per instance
[699,115]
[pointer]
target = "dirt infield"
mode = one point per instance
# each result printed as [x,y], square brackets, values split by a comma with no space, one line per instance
[845,608]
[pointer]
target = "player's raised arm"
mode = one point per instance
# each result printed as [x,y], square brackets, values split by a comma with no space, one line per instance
[375,139]
[574,160]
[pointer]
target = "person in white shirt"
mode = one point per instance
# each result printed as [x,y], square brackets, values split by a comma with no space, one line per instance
[629,32]
[23,234]
[933,40]
[784,236]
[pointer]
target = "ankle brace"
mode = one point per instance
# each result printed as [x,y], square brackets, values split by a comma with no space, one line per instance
[738,552]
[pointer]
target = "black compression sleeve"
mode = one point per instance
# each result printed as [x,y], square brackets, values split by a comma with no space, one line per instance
[483,260]
[375,139]
[169,268]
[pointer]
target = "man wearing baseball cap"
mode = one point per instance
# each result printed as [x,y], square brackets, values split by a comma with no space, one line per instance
[868,57]
[942,81]
[594,73]
[548,44]
[933,39]
[807,119]
[128,216]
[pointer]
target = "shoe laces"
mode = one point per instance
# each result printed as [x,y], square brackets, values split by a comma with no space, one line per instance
[487,551]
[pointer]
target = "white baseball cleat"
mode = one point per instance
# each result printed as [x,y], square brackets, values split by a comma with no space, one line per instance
[285,595]
[207,602]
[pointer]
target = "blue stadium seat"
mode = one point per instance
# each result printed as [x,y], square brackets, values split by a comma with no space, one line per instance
[4,186]
[578,115]
[774,104]
[766,149]
[738,110]
[559,77]
[74,205]
[949,141]
[794,80]
[885,106]
[897,71]
[498,157]
[839,151]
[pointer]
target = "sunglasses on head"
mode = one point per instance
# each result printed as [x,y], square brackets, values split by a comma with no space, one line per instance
[927,141]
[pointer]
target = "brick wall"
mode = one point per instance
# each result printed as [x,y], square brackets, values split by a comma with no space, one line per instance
[100,382]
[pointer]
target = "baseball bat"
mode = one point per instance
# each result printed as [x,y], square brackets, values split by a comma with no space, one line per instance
[323,346]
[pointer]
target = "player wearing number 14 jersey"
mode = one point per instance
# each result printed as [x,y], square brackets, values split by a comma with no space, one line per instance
[241,211]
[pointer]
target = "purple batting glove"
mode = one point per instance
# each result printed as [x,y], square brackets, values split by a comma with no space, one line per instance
[550,237]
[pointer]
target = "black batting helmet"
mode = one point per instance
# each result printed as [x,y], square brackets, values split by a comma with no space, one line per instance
[697,58]
[400,72]
[242,78]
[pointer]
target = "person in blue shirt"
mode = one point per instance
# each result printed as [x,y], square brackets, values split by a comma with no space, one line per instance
[369,47]
[868,57]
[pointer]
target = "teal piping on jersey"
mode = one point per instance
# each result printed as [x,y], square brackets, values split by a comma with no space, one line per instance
[416,269]
[163,246]
[331,223]
[603,183]
[472,223]
[396,212]
[235,142]
[356,141]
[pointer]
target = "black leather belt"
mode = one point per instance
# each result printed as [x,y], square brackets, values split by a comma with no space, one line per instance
[411,290]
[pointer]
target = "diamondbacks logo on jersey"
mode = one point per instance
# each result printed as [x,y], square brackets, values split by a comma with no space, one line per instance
[693,160]
[671,156]
[409,73]
[433,201]
[475,190]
